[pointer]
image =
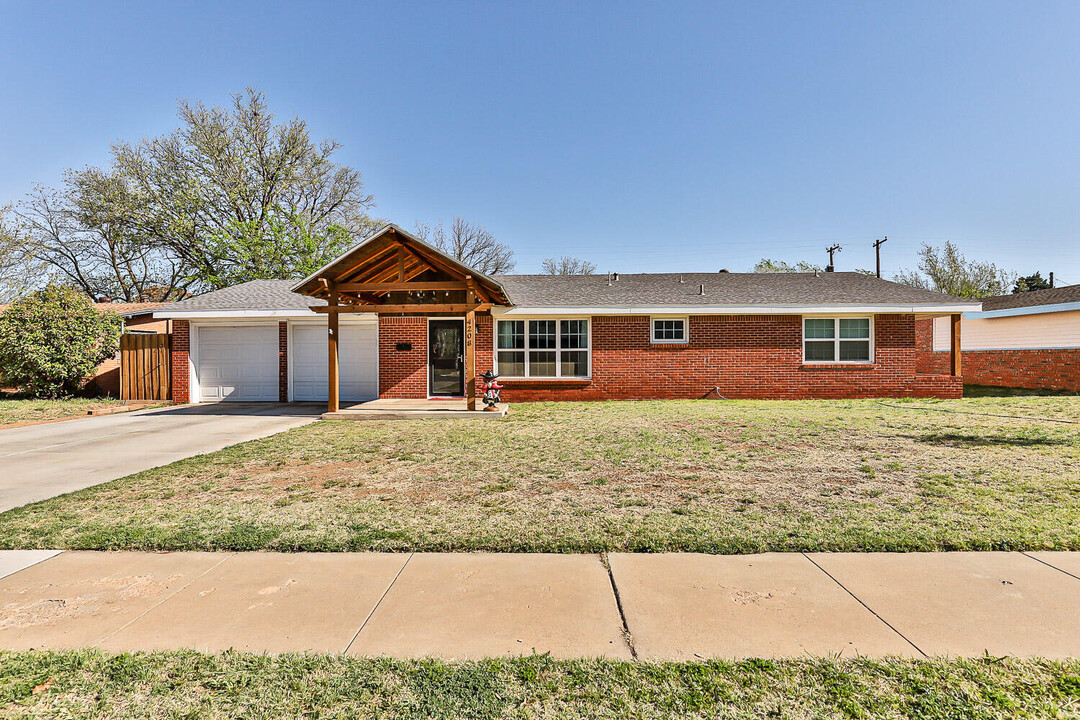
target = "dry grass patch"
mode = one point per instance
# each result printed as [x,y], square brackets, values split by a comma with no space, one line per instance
[18,412]
[707,476]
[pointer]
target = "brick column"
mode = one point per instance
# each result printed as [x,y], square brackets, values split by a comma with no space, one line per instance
[181,391]
[283,362]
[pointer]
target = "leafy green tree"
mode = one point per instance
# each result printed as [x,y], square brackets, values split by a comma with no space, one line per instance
[232,187]
[1031,282]
[52,340]
[230,194]
[946,270]
[765,265]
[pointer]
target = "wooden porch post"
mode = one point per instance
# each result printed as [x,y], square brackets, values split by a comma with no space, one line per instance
[332,350]
[470,360]
[956,355]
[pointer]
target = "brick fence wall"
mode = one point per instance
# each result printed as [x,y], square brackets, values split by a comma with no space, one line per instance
[1036,369]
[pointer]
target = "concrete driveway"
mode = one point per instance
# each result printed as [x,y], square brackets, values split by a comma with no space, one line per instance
[42,461]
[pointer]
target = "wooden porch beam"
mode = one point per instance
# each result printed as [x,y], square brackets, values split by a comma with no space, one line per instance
[470,360]
[402,286]
[956,354]
[396,309]
[332,394]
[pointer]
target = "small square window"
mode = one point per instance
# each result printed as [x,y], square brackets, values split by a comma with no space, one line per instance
[669,330]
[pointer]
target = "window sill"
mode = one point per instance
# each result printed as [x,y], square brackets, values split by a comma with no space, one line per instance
[543,381]
[840,366]
[670,343]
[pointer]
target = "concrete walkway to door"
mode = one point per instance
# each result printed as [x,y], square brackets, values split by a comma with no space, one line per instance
[42,461]
[647,607]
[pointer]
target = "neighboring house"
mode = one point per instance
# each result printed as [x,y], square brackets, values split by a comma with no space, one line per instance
[1027,340]
[403,320]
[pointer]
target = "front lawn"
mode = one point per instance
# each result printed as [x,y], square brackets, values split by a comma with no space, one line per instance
[710,476]
[19,411]
[88,684]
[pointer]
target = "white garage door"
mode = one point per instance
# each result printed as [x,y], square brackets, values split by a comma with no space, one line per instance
[238,363]
[358,352]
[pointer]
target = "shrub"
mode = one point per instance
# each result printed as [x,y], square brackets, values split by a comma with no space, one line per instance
[52,340]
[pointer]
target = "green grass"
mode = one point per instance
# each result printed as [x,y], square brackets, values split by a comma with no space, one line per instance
[708,476]
[185,684]
[16,411]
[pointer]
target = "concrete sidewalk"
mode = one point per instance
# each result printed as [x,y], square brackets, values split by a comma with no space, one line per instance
[650,607]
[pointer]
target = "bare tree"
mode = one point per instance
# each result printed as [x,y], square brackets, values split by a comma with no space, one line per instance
[470,244]
[566,265]
[82,236]
[946,270]
[18,271]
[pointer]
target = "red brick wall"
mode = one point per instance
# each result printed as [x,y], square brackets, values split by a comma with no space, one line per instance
[402,373]
[746,356]
[1046,369]
[181,391]
[283,362]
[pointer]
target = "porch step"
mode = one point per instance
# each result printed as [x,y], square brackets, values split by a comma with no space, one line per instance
[415,413]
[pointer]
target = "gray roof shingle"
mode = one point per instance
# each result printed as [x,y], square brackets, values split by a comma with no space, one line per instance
[642,289]
[842,288]
[256,294]
[1053,296]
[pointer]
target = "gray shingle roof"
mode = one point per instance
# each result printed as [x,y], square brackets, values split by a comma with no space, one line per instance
[257,294]
[842,288]
[1053,296]
[645,289]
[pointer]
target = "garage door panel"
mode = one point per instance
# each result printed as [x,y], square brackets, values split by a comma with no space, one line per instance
[358,352]
[238,363]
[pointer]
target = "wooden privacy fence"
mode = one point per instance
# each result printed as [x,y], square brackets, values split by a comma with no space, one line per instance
[144,367]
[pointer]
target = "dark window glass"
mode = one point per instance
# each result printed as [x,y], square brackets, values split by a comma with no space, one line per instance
[512,363]
[541,364]
[818,351]
[575,334]
[858,350]
[542,334]
[575,363]
[511,334]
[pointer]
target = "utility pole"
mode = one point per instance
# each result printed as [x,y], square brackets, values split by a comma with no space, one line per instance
[832,249]
[877,252]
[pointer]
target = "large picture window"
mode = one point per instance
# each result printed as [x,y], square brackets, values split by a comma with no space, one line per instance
[542,348]
[840,340]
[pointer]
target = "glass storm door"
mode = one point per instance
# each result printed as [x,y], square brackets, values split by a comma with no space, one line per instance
[446,357]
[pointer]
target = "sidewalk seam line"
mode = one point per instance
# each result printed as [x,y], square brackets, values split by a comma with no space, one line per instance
[377,604]
[868,608]
[164,600]
[627,635]
[1052,567]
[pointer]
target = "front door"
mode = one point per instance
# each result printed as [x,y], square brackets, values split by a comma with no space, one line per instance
[446,357]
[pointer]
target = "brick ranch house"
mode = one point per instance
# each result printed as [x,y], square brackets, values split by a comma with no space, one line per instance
[1028,340]
[395,318]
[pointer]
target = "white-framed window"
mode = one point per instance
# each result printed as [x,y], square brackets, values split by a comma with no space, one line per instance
[542,348]
[669,330]
[838,339]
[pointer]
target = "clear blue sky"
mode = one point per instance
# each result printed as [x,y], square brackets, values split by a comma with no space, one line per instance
[642,136]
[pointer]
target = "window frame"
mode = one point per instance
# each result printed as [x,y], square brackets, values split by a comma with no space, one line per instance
[558,349]
[652,329]
[836,339]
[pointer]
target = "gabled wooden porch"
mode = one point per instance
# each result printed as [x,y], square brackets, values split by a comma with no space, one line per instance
[395,273]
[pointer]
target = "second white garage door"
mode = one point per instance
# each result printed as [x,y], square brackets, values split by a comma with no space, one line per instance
[238,362]
[358,353]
